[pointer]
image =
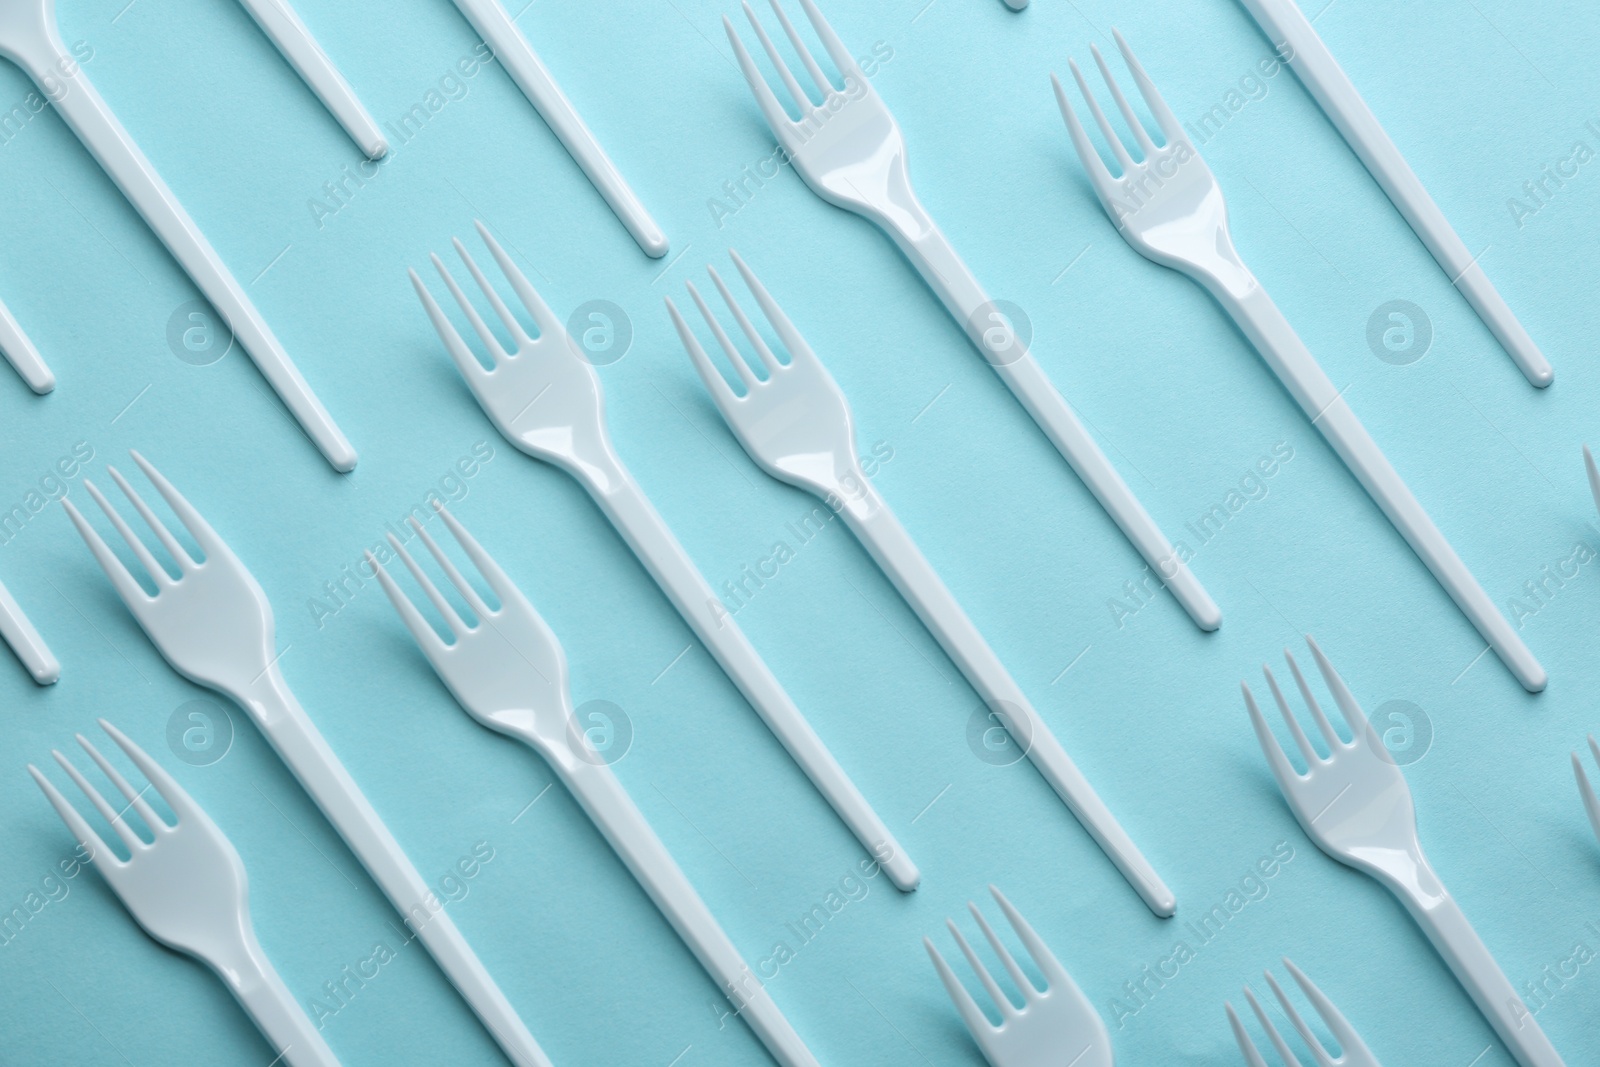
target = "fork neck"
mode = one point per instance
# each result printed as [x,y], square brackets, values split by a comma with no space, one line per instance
[1406,872]
[268,699]
[30,39]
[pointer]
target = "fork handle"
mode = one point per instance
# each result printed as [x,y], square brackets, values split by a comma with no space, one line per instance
[875,524]
[20,353]
[255,984]
[1261,321]
[624,826]
[935,258]
[75,98]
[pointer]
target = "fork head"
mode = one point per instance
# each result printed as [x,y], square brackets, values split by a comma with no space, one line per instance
[505,667]
[540,393]
[1055,1026]
[1354,802]
[186,885]
[1165,202]
[212,622]
[1591,803]
[1353,1053]
[794,422]
[848,147]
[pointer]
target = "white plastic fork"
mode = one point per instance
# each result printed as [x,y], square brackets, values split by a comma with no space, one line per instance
[545,398]
[509,672]
[1352,1051]
[22,355]
[279,21]
[213,624]
[851,153]
[1170,209]
[1055,1027]
[1591,803]
[23,637]
[187,888]
[1355,804]
[30,39]
[796,424]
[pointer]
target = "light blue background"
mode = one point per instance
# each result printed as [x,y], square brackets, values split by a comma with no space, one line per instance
[1480,94]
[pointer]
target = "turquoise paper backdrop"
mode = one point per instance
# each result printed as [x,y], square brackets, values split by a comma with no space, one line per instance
[1481,95]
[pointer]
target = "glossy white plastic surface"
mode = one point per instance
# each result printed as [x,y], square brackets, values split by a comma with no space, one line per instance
[1353,1053]
[214,625]
[1055,1027]
[187,888]
[495,25]
[1285,24]
[1591,803]
[24,639]
[796,424]
[29,38]
[1355,804]
[1170,209]
[545,398]
[279,21]
[20,353]
[851,153]
[507,669]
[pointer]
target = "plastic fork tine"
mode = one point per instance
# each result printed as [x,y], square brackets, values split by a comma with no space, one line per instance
[1135,126]
[542,315]
[802,102]
[1591,803]
[204,536]
[720,390]
[1024,986]
[1318,1053]
[836,50]
[1342,697]
[798,349]
[746,375]
[421,631]
[118,823]
[1095,167]
[164,784]
[76,823]
[513,327]
[1252,1057]
[977,1022]
[132,796]
[1002,1002]
[158,574]
[1168,122]
[465,361]
[464,587]
[1594,475]
[179,554]
[497,579]
[1276,1038]
[767,358]
[824,86]
[497,352]
[1054,973]
[1282,769]
[1300,738]
[124,583]
[778,118]
[1113,141]
[1328,732]
[1340,1027]
[440,604]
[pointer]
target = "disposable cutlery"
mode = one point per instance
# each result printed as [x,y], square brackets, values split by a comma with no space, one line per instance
[851,153]
[1054,1027]
[508,671]
[496,26]
[25,641]
[1591,803]
[279,21]
[545,398]
[1326,81]
[23,357]
[796,424]
[1352,1052]
[1170,209]
[187,888]
[29,38]
[1355,804]
[213,624]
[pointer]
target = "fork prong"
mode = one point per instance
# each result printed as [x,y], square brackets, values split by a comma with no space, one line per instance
[158,574]
[543,317]
[107,812]
[978,1024]
[513,327]
[1135,126]
[1328,732]
[721,392]
[783,127]
[1594,475]
[179,554]
[769,360]
[98,852]
[1338,1025]
[1095,167]
[1276,1038]
[1252,1056]
[1591,803]
[124,583]
[746,375]
[1318,1053]
[133,796]
[801,101]
[1002,1002]
[199,529]
[464,587]
[460,354]
[497,352]
[421,631]
[440,604]
[500,582]
[1353,715]
[1282,769]
[836,50]
[182,805]
[1113,140]
[1170,127]
[824,86]
[1300,738]
[1054,974]
[1024,986]
[796,344]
